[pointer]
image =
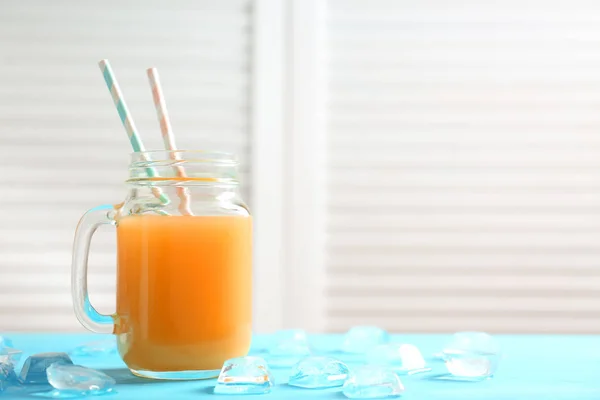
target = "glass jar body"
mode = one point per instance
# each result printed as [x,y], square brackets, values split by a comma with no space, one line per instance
[184,281]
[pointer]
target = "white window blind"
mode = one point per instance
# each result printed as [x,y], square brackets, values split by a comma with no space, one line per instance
[62,147]
[463,153]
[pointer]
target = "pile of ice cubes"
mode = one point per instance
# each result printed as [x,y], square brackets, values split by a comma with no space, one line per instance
[467,356]
[380,364]
[39,371]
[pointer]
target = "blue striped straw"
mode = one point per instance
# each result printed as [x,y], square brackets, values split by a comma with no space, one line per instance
[127,120]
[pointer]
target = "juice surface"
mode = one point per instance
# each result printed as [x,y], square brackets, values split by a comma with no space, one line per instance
[184,291]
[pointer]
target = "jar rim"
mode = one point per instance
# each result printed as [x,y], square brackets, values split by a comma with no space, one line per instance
[205,156]
[183,167]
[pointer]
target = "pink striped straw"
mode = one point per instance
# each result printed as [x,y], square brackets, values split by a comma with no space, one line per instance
[168,136]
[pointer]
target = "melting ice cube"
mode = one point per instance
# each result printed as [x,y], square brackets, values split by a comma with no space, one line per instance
[244,375]
[8,353]
[7,375]
[472,355]
[70,378]
[95,348]
[361,339]
[402,358]
[5,342]
[319,373]
[371,382]
[34,369]
[289,347]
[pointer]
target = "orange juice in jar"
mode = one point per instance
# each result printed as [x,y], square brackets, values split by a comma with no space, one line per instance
[184,267]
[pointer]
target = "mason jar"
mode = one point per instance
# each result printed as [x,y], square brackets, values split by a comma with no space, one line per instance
[184,266]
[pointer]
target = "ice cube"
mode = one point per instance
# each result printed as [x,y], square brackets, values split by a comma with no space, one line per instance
[361,339]
[402,358]
[96,348]
[7,375]
[244,375]
[318,373]
[472,355]
[34,369]
[5,342]
[371,382]
[289,347]
[70,378]
[10,355]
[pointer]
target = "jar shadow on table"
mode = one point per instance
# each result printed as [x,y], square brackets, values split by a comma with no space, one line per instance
[284,388]
[324,393]
[123,376]
[338,395]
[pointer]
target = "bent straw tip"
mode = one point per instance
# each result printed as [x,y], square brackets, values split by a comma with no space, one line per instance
[103,62]
[152,73]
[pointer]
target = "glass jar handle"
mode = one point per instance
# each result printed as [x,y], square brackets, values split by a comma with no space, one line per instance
[84,311]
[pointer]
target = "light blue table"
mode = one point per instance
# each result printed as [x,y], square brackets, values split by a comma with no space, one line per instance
[533,367]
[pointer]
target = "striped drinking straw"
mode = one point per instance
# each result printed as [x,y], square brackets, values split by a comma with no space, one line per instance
[168,136]
[124,114]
